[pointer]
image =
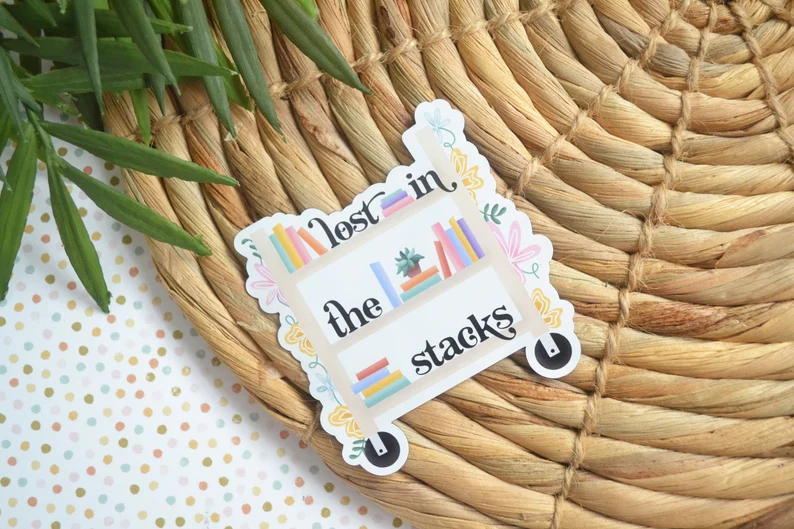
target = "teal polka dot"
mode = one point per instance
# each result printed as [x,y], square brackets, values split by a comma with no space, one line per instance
[317,526]
[30,269]
[219,423]
[68,455]
[80,366]
[114,336]
[100,367]
[119,507]
[170,500]
[277,485]
[254,417]
[284,468]
[228,496]
[6,443]
[56,317]
[105,389]
[35,408]
[247,454]
[63,116]
[138,305]
[314,469]
[64,379]
[138,250]
[201,353]
[103,499]
[166,370]
[183,462]
[125,467]
[193,332]
[115,226]
[146,349]
[3,370]
[78,152]
[139,429]
[91,421]
[22,482]
[28,346]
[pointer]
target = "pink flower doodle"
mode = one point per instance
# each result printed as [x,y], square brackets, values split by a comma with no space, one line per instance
[267,283]
[512,248]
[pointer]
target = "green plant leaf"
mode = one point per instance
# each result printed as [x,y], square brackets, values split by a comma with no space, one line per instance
[200,43]
[140,105]
[232,84]
[312,40]
[309,8]
[41,8]
[11,24]
[135,156]
[76,241]
[8,92]
[155,80]
[76,80]
[89,111]
[241,45]
[5,134]
[108,23]
[15,202]
[86,29]
[113,56]
[132,213]
[137,23]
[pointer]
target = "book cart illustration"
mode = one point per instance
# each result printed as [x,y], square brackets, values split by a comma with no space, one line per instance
[382,352]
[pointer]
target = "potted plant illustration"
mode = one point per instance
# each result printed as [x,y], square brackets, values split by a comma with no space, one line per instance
[408,262]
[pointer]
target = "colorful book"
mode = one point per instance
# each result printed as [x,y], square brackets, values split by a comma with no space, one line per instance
[281,253]
[442,259]
[377,366]
[388,391]
[464,226]
[464,257]
[379,385]
[385,284]
[366,382]
[421,287]
[449,249]
[393,198]
[418,278]
[286,243]
[397,206]
[311,241]
[463,240]
[298,244]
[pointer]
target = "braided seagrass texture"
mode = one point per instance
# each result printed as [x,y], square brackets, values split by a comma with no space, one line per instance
[650,141]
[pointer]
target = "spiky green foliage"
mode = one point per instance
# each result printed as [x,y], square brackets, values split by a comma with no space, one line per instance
[118,46]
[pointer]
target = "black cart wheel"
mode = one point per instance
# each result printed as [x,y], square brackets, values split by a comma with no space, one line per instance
[386,459]
[561,357]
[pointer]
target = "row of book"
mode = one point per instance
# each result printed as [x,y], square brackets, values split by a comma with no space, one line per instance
[456,245]
[378,382]
[289,244]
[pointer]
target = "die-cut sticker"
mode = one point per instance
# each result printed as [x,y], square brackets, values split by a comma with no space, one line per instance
[422,282]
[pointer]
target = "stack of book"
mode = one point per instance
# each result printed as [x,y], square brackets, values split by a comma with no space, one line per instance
[377,382]
[394,202]
[289,244]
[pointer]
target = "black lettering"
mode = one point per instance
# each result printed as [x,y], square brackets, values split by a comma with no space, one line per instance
[501,315]
[439,183]
[358,221]
[420,361]
[451,349]
[372,308]
[471,341]
[333,319]
[326,229]
[365,208]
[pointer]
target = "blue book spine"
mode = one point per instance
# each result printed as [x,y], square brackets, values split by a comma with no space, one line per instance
[464,256]
[385,284]
[366,382]
[281,253]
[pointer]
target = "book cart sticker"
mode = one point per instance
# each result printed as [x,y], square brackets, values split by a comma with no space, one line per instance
[422,282]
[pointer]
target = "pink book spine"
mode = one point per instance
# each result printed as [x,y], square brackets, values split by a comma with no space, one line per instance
[299,247]
[448,248]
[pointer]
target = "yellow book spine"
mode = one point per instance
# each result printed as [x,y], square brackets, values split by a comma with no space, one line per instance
[463,240]
[380,384]
[283,238]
